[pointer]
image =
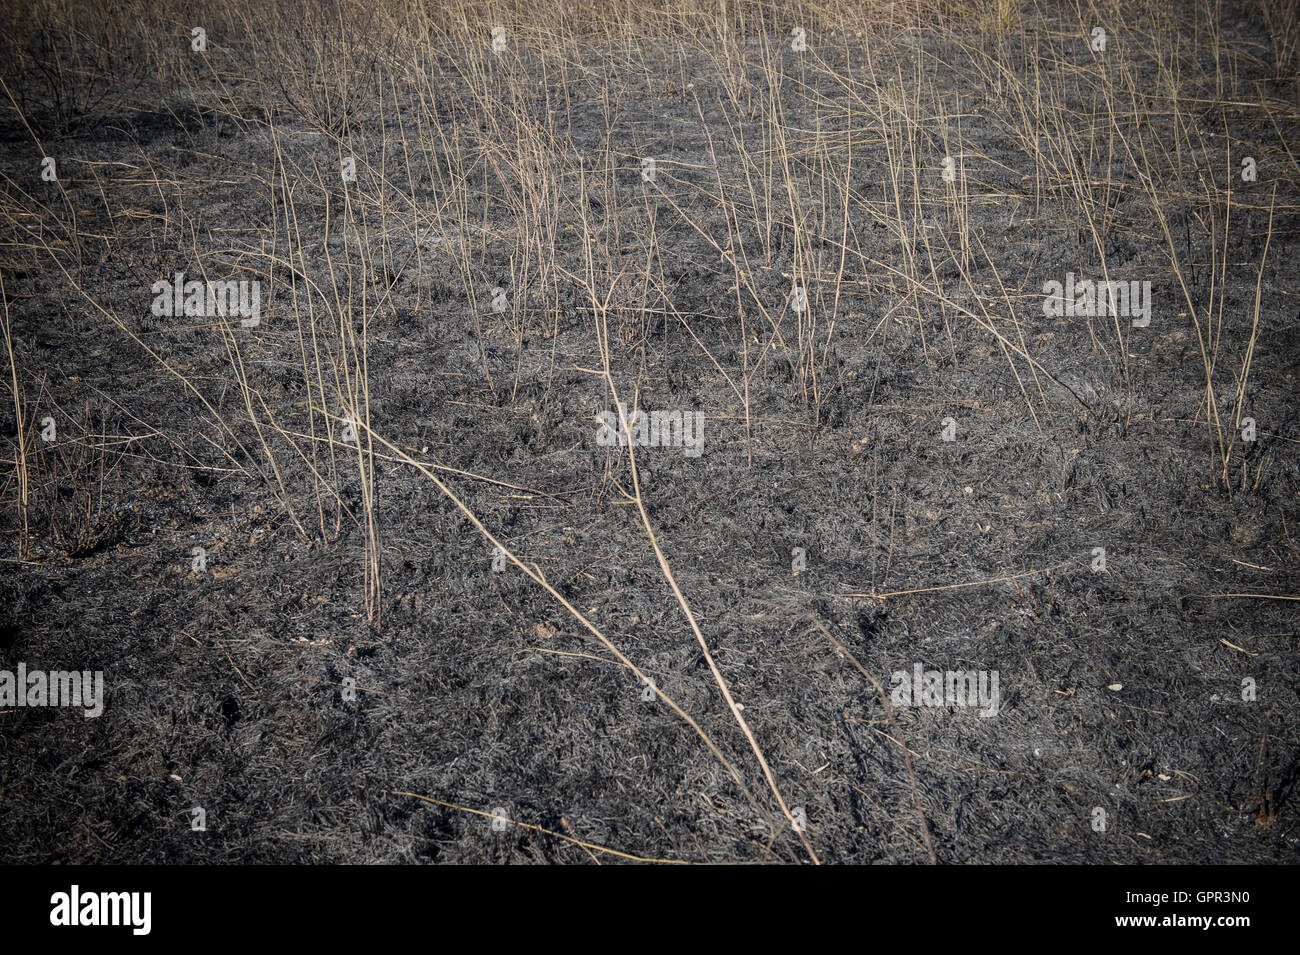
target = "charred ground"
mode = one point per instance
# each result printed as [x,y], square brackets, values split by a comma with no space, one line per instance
[331,563]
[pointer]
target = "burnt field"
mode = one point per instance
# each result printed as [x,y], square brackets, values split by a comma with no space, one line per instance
[572,433]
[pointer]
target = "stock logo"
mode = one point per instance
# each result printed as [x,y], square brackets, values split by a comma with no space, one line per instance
[66,688]
[960,688]
[1086,297]
[658,429]
[176,298]
[76,908]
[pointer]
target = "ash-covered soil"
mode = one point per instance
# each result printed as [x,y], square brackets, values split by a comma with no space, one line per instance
[228,689]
